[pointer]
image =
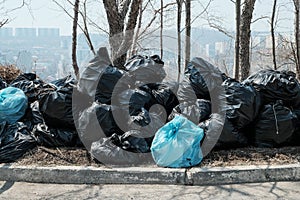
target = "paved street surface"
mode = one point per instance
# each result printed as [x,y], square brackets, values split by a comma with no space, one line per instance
[280,190]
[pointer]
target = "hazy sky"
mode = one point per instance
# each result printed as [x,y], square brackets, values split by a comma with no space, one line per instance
[45,13]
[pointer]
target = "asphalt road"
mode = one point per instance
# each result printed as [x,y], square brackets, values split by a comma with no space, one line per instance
[21,190]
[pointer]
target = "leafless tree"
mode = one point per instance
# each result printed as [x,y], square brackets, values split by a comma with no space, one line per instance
[237,39]
[161,28]
[179,13]
[122,20]
[297,36]
[245,36]
[273,34]
[74,39]
[188,32]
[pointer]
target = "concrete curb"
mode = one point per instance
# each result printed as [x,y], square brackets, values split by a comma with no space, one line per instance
[147,175]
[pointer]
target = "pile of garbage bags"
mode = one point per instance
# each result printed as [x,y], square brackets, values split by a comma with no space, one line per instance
[135,116]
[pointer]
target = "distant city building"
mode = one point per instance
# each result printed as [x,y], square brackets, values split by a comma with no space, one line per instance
[221,47]
[6,32]
[25,32]
[48,32]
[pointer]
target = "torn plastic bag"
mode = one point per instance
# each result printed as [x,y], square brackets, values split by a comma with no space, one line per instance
[56,108]
[107,152]
[3,84]
[203,77]
[56,137]
[109,78]
[162,94]
[198,112]
[15,141]
[91,75]
[243,103]
[276,85]
[13,104]
[177,144]
[146,69]
[275,125]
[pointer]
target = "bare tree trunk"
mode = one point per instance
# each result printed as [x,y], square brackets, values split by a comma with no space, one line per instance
[236,70]
[188,32]
[121,27]
[136,36]
[246,18]
[297,36]
[74,36]
[161,28]
[273,34]
[179,10]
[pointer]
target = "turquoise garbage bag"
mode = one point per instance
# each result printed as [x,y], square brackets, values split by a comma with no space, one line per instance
[177,144]
[13,104]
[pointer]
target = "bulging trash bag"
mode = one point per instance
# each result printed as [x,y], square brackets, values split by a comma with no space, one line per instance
[91,75]
[275,125]
[56,108]
[109,78]
[15,141]
[220,133]
[134,141]
[162,94]
[276,85]
[146,69]
[56,137]
[243,103]
[177,144]
[135,100]
[203,77]
[97,122]
[3,84]
[13,104]
[198,112]
[107,151]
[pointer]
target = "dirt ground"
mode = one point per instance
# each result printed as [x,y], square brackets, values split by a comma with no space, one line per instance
[42,156]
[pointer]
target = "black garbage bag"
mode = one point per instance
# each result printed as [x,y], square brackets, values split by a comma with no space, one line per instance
[274,126]
[198,112]
[276,85]
[294,140]
[203,77]
[162,94]
[134,141]
[145,69]
[222,133]
[89,79]
[243,103]
[15,141]
[109,78]
[3,84]
[56,108]
[56,137]
[97,122]
[212,131]
[33,116]
[31,86]
[67,81]
[106,151]
[135,100]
